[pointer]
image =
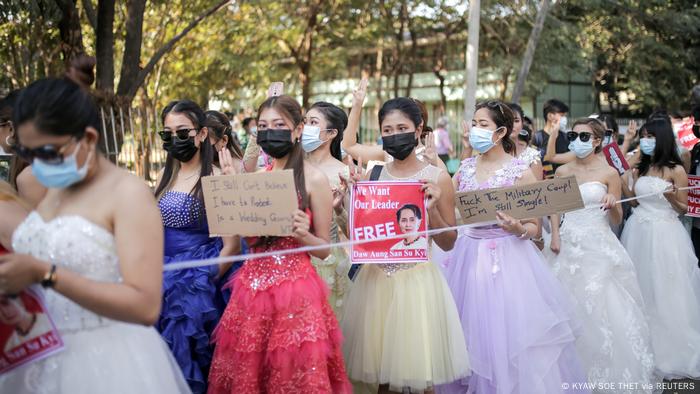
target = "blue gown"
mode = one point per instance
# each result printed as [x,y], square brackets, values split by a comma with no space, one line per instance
[191,301]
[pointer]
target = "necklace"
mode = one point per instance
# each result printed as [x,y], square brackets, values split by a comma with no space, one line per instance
[190,176]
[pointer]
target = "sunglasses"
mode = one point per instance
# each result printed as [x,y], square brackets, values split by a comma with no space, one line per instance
[50,154]
[181,134]
[584,136]
[524,136]
[608,133]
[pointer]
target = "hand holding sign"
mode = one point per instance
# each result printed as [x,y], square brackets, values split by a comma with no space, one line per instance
[19,271]
[301,225]
[432,194]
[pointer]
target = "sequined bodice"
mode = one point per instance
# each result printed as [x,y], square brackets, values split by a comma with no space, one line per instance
[591,218]
[180,209]
[503,177]
[656,206]
[262,273]
[77,244]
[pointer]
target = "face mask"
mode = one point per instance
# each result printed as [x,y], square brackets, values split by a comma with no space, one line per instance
[276,142]
[182,151]
[647,145]
[254,130]
[481,139]
[581,149]
[60,176]
[399,146]
[311,138]
[563,122]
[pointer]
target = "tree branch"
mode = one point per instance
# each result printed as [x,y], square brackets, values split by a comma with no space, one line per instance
[90,13]
[169,46]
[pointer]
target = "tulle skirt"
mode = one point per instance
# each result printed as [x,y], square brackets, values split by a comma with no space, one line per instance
[113,359]
[278,333]
[518,321]
[190,312]
[402,329]
[669,278]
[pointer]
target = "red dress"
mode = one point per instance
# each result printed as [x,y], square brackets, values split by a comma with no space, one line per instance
[278,333]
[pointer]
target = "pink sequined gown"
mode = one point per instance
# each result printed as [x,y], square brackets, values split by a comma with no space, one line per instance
[517,321]
[278,333]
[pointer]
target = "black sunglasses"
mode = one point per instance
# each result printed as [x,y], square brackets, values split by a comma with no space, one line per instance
[584,136]
[181,134]
[608,133]
[51,154]
[524,136]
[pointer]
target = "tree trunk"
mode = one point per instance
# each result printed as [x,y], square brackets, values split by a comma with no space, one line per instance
[143,73]
[132,47]
[70,32]
[530,50]
[105,46]
[472,57]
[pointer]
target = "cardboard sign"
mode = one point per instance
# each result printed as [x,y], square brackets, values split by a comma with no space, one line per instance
[252,204]
[615,158]
[693,197]
[384,209]
[521,202]
[27,332]
[685,134]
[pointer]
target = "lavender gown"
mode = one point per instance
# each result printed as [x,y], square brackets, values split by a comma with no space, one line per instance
[517,319]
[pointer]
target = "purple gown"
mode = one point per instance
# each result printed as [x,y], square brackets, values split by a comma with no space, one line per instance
[518,323]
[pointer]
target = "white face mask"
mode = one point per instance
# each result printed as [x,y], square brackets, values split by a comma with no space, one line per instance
[563,122]
[311,138]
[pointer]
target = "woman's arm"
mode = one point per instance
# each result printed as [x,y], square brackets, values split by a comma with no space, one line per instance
[678,198]
[232,247]
[321,204]
[349,142]
[614,193]
[137,298]
[551,154]
[441,210]
[12,214]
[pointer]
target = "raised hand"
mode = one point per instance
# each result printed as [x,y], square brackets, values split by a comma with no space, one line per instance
[432,193]
[430,154]
[359,94]
[465,134]
[226,162]
[631,131]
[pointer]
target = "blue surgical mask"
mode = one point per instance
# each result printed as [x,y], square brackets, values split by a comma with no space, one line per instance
[647,145]
[581,149]
[481,139]
[311,138]
[63,175]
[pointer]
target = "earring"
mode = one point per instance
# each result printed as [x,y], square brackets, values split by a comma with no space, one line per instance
[9,141]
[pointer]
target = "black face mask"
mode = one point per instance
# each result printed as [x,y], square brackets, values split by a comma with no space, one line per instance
[181,150]
[399,146]
[696,130]
[275,142]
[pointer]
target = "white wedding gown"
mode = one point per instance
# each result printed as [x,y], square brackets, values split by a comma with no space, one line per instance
[669,279]
[593,265]
[101,355]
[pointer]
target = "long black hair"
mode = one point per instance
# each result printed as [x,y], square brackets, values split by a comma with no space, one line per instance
[666,151]
[195,114]
[336,119]
[219,124]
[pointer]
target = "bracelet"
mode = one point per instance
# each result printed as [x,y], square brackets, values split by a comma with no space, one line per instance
[49,279]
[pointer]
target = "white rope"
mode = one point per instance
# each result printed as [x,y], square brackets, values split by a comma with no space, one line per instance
[305,249]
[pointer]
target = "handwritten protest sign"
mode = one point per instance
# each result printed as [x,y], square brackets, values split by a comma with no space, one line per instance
[384,209]
[27,332]
[693,197]
[521,202]
[615,158]
[250,204]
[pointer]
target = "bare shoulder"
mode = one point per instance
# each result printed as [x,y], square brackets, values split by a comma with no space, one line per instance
[129,188]
[565,170]
[314,177]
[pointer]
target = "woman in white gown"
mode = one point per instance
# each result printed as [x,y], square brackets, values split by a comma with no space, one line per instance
[95,243]
[663,253]
[591,262]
